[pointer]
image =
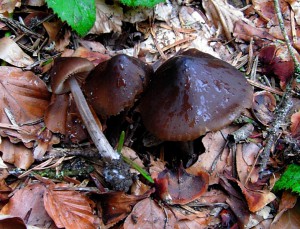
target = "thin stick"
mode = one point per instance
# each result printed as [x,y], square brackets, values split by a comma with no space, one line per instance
[286,103]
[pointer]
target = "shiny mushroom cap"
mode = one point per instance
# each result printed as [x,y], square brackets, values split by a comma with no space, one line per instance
[66,67]
[191,94]
[116,84]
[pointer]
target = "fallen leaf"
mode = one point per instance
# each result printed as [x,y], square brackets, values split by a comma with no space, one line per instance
[8,221]
[108,18]
[223,15]
[295,124]
[69,209]
[245,158]
[115,206]
[288,219]
[196,219]
[178,187]
[256,199]
[28,204]
[13,54]
[215,158]
[23,94]
[148,214]
[9,5]
[16,154]
[263,107]
[275,60]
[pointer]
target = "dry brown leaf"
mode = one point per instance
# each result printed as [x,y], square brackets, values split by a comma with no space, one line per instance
[16,154]
[263,107]
[287,202]
[215,159]
[199,220]
[115,206]
[295,4]
[289,219]
[34,2]
[95,57]
[69,209]
[223,15]
[256,199]
[295,124]
[148,214]
[9,5]
[245,158]
[28,204]
[24,94]
[108,18]
[13,54]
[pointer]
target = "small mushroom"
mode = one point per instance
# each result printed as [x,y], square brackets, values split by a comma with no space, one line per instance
[116,84]
[191,94]
[67,74]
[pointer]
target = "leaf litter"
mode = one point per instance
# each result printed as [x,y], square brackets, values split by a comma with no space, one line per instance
[231,192]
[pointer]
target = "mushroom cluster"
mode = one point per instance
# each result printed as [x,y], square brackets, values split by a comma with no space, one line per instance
[190,94]
[193,93]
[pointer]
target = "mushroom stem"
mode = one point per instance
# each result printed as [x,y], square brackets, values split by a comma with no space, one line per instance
[100,141]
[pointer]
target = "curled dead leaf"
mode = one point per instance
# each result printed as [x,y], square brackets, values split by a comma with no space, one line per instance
[263,106]
[179,187]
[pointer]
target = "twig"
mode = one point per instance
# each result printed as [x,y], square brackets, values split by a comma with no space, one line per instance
[286,102]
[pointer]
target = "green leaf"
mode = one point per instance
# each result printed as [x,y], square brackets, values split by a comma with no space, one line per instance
[290,179]
[145,3]
[79,14]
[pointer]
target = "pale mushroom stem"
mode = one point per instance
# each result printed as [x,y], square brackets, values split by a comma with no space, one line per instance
[100,141]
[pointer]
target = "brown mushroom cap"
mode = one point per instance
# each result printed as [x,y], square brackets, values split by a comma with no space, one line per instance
[116,83]
[64,68]
[191,94]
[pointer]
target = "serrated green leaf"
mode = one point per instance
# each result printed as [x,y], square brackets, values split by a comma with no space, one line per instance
[290,179]
[79,14]
[145,3]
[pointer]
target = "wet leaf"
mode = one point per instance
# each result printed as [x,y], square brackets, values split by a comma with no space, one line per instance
[69,209]
[178,187]
[13,54]
[26,202]
[148,214]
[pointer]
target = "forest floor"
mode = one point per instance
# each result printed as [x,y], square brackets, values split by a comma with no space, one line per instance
[243,175]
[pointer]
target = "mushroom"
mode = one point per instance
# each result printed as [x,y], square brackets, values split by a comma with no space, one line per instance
[116,84]
[193,93]
[67,74]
